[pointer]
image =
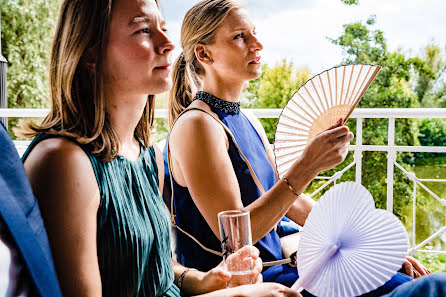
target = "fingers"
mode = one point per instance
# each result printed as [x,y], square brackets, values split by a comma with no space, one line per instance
[328,149]
[346,138]
[258,278]
[257,266]
[255,251]
[248,251]
[418,266]
[291,293]
[247,255]
[408,268]
[287,291]
[337,124]
[341,143]
[266,290]
[221,274]
[281,290]
[337,132]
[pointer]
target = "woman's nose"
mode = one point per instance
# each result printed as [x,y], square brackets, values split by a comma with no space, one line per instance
[256,44]
[165,45]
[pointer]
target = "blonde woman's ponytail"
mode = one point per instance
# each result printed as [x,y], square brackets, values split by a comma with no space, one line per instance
[185,85]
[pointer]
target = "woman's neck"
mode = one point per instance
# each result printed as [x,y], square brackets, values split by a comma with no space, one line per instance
[229,91]
[125,113]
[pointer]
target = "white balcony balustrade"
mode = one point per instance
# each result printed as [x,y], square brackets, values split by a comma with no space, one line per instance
[359,114]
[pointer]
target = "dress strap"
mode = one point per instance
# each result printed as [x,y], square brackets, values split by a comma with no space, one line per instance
[251,170]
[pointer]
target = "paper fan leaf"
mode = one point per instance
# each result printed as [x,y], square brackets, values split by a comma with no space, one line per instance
[317,105]
[372,244]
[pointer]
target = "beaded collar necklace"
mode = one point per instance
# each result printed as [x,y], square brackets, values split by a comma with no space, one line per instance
[215,102]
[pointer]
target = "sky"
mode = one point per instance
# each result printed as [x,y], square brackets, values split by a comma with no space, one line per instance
[297,30]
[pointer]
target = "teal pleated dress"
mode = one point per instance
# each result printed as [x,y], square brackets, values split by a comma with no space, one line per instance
[133,227]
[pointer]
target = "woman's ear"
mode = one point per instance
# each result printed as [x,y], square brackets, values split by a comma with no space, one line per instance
[203,54]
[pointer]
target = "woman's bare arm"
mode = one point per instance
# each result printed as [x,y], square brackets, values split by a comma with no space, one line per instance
[258,290]
[64,183]
[201,161]
[301,208]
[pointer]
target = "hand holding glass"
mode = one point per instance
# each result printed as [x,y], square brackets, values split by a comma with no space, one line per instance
[235,234]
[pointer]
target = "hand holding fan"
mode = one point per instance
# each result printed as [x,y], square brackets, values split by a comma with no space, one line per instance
[317,105]
[348,247]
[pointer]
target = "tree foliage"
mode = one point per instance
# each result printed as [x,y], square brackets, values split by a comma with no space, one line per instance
[27,30]
[431,87]
[432,133]
[351,2]
[431,91]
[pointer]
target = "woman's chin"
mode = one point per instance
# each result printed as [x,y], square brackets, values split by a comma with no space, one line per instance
[161,87]
[255,74]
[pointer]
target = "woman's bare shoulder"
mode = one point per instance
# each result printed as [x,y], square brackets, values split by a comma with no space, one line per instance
[57,152]
[198,124]
[61,164]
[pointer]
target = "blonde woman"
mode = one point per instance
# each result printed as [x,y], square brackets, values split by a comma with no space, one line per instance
[220,53]
[92,165]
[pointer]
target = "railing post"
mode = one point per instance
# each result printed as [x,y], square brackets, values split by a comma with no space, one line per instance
[391,158]
[414,213]
[357,155]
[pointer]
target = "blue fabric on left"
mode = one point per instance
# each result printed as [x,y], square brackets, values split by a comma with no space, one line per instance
[21,214]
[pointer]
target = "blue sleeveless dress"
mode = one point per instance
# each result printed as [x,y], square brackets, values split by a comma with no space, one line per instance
[189,218]
[133,227]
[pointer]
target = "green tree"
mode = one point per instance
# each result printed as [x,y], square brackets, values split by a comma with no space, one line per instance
[431,91]
[432,133]
[27,27]
[351,2]
[430,86]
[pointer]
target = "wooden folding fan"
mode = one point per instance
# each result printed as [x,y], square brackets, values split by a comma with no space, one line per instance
[317,105]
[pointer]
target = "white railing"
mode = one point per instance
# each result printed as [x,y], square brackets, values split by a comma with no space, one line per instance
[358,148]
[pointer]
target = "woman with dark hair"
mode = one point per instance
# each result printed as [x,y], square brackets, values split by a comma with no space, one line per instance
[92,164]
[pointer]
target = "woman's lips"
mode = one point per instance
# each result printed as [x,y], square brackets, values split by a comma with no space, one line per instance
[256,60]
[164,67]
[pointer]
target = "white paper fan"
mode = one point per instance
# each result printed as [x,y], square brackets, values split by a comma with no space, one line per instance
[348,247]
[317,105]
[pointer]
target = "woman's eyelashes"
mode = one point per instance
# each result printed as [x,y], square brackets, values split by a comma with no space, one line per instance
[149,31]
[144,31]
[242,35]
